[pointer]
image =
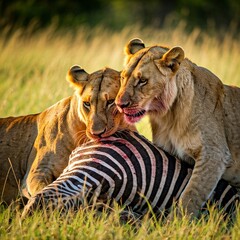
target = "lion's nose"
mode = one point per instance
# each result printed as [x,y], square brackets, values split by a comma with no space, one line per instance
[98,133]
[123,104]
[122,101]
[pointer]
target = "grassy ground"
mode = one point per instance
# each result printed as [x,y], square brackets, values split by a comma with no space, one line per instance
[87,224]
[32,77]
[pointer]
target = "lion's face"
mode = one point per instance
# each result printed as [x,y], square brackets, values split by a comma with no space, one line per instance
[148,80]
[96,94]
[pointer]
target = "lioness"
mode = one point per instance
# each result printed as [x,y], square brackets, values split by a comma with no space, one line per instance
[34,149]
[192,113]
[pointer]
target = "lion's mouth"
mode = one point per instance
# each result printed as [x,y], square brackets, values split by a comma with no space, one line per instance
[133,115]
[107,133]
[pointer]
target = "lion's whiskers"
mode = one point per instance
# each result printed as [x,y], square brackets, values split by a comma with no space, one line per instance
[80,137]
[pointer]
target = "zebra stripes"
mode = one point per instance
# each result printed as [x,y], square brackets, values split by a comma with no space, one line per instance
[127,168]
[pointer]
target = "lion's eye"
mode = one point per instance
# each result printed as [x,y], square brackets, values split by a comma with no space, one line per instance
[86,104]
[142,81]
[110,102]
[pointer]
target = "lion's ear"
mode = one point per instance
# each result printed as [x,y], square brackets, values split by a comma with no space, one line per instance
[172,59]
[132,47]
[77,77]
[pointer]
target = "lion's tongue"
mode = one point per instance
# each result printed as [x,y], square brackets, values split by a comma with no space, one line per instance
[133,116]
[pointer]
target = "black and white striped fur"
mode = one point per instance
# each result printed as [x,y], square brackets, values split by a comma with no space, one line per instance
[126,168]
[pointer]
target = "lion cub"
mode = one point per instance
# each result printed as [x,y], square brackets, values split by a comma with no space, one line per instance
[34,149]
[192,113]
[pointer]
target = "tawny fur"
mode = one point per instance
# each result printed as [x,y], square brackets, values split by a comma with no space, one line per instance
[34,149]
[192,113]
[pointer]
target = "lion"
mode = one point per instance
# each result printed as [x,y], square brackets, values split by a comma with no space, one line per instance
[192,114]
[34,149]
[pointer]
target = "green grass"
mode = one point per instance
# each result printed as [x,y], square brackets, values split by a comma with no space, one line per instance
[90,224]
[32,78]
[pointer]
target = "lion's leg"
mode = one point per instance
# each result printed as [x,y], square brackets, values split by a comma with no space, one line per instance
[37,181]
[40,174]
[204,179]
[32,184]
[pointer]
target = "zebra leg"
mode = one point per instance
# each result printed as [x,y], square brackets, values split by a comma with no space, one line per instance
[33,204]
[225,198]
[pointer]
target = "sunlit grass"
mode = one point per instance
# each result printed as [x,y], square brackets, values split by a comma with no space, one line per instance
[90,224]
[32,78]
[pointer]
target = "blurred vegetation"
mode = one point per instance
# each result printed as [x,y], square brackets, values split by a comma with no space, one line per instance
[116,14]
[33,66]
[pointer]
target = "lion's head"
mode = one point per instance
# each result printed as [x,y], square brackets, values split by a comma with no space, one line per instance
[96,94]
[148,80]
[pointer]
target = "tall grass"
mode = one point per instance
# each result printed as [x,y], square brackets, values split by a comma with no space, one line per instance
[89,224]
[32,77]
[33,67]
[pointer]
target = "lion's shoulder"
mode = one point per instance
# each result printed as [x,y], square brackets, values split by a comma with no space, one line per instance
[17,125]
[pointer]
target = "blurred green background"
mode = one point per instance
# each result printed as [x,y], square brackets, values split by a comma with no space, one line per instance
[40,40]
[209,15]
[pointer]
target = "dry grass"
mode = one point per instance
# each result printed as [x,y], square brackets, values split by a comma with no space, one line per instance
[33,68]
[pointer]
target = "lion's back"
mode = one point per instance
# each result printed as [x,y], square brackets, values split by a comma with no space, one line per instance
[231,114]
[15,132]
[17,135]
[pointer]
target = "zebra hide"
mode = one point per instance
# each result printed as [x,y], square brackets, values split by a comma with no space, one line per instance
[128,169]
